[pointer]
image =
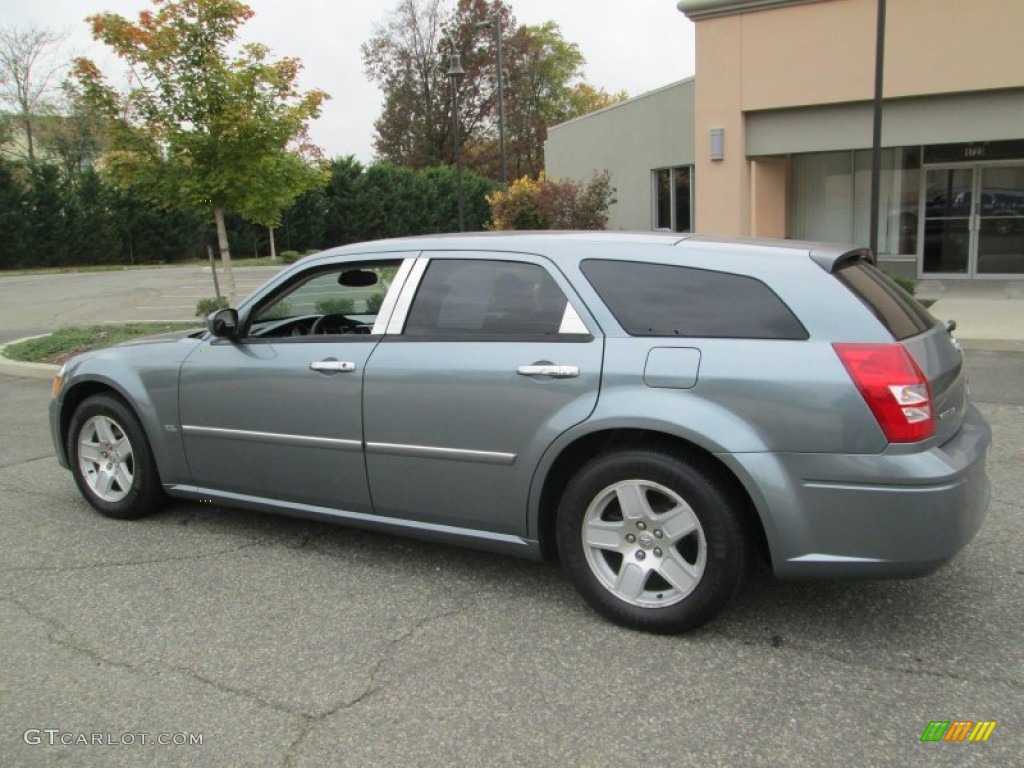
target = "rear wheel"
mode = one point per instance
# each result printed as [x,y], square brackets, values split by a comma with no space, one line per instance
[652,542]
[111,460]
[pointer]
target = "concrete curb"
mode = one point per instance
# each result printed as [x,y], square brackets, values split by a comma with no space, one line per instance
[991,345]
[10,367]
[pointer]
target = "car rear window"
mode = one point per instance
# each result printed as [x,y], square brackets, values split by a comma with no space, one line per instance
[896,309]
[666,300]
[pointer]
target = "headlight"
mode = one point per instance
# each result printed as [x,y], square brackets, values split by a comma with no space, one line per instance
[58,382]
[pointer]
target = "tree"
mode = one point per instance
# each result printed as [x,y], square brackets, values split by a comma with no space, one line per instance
[409,56]
[542,68]
[30,68]
[271,192]
[342,200]
[16,246]
[585,99]
[545,87]
[48,224]
[402,57]
[76,137]
[197,128]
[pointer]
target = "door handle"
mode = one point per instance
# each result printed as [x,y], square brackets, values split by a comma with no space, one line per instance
[332,366]
[554,371]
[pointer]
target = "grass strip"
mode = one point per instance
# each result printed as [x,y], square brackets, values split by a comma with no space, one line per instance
[62,344]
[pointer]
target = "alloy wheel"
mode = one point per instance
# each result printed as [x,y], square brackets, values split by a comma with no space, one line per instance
[644,543]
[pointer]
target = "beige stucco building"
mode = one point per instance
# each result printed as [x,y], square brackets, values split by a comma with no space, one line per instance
[773,135]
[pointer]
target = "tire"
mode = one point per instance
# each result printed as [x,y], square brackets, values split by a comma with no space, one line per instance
[111,459]
[652,542]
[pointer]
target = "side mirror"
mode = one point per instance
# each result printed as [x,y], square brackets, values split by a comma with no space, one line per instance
[223,323]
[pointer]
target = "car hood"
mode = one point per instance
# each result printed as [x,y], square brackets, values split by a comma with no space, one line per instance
[165,338]
[160,349]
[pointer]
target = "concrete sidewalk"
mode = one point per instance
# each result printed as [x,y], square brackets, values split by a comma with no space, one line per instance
[988,313]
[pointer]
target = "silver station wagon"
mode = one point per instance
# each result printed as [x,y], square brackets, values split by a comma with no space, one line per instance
[654,410]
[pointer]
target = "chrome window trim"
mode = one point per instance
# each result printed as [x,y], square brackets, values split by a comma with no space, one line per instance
[380,324]
[572,323]
[434,452]
[396,323]
[273,437]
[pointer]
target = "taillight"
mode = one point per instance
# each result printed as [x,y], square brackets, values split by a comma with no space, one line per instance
[894,388]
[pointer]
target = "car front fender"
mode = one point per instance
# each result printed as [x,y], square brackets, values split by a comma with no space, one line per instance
[145,377]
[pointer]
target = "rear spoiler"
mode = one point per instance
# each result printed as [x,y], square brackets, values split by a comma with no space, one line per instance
[830,258]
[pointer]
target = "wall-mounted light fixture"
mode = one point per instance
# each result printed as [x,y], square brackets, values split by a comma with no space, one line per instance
[718,143]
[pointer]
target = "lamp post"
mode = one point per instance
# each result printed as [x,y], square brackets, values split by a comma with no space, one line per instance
[876,130]
[455,73]
[495,23]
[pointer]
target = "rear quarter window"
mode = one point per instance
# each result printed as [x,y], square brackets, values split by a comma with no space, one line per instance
[896,309]
[665,300]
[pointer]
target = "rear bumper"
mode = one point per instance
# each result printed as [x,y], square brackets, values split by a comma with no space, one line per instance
[894,514]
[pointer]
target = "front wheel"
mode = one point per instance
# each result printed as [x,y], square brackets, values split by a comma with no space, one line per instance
[652,542]
[111,460]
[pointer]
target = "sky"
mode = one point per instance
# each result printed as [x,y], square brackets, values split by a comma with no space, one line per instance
[631,45]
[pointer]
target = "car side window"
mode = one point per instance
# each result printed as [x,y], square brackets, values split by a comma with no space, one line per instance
[338,300]
[666,300]
[483,298]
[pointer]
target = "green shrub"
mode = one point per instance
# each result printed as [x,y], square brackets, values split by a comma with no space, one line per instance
[550,204]
[905,283]
[373,303]
[341,305]
[205,306]
[289,257]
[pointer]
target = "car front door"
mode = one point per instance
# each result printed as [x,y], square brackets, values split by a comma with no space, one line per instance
[276,414]
[472,383]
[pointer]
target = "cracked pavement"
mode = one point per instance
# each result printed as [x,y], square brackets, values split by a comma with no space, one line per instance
[292,643]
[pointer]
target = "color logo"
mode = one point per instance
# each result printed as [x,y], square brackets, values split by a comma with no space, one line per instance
[958,730]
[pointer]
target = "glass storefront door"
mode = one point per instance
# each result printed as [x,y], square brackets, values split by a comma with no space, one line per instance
[973,220]
[947,208]
[1001,221]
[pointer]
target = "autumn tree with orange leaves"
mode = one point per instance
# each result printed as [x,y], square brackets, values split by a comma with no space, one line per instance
[197,128]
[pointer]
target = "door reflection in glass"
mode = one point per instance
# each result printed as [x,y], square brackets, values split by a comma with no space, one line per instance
[947,220]
[1001,221]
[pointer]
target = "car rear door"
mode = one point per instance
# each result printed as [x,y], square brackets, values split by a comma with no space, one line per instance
[489,358]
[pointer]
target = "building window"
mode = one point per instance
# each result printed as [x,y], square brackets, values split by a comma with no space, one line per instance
[831,198]
[673,209]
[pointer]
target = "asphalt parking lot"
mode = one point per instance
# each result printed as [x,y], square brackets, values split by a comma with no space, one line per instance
[281,642]
[31,304]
